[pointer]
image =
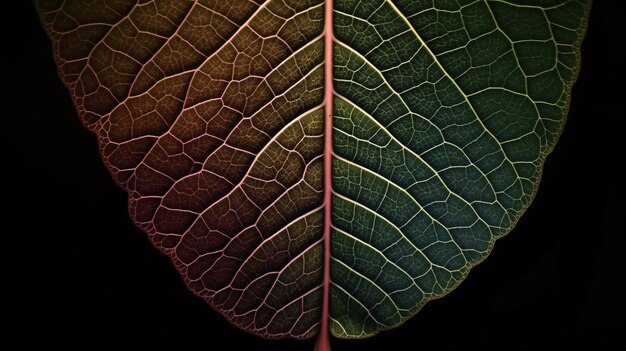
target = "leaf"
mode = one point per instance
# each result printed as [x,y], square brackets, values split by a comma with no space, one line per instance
[232,126]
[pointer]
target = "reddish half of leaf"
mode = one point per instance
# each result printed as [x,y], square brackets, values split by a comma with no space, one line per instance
[210,115]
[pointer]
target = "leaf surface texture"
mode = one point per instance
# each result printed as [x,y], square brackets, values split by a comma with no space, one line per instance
[211,115]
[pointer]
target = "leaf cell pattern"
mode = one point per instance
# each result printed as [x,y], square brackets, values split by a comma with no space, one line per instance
[444,114]
[211,115]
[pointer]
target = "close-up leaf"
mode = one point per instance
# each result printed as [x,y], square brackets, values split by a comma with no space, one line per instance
[315,167]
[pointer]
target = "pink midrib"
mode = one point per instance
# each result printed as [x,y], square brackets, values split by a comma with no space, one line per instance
[323,341]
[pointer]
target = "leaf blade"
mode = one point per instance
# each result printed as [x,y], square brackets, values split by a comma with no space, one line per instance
[443,116]
[209,114]
[441,133]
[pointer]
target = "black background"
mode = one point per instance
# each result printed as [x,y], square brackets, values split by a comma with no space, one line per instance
[77,274]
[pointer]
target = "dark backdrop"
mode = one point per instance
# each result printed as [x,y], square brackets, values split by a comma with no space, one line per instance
[77,274]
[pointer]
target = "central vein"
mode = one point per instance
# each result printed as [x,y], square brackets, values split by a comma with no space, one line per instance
[323,342]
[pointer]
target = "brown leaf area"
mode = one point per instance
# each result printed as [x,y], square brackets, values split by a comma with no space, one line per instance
[209,114]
